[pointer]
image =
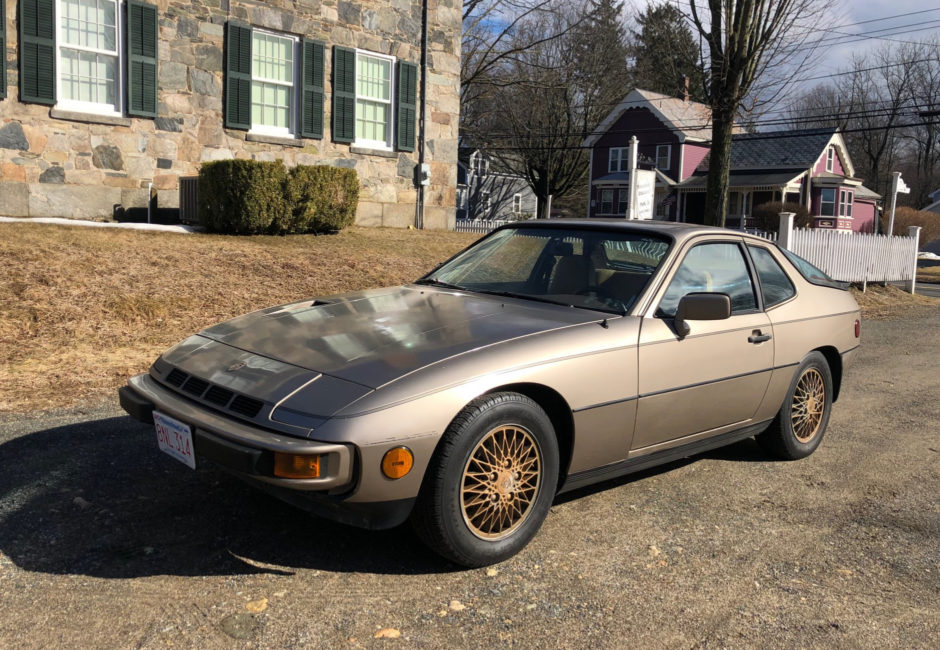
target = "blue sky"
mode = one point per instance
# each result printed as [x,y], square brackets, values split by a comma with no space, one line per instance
[846,14]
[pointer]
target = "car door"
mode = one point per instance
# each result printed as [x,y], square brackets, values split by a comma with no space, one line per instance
[714,378]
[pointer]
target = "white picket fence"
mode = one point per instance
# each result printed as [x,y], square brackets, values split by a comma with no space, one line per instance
[857,257]
[479,226]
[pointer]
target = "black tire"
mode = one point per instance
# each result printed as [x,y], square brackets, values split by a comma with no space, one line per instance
[474,517]
[801,422]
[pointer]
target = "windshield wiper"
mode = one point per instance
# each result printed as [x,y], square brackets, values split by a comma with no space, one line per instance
[434,282]
[550,301]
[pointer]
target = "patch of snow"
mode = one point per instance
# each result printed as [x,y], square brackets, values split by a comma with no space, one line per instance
[102,224]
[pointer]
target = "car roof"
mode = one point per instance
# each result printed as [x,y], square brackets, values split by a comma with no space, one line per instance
[672,229]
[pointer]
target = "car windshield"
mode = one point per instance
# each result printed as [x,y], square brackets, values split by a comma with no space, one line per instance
[590,269]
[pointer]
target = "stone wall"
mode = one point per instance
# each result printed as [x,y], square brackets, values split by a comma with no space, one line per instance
[54,163]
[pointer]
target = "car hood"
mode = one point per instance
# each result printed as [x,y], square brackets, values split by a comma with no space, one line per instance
[375,337]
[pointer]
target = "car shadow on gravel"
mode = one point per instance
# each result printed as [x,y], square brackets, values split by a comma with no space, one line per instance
[97,498]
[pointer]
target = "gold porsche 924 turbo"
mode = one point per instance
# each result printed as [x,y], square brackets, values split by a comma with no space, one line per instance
[545,357]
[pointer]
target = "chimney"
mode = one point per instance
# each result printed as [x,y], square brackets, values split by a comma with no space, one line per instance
[685,88]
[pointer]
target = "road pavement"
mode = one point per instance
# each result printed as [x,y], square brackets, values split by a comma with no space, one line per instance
[106,542]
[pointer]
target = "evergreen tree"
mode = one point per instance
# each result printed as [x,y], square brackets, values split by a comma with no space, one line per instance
[601,58]
[665,53]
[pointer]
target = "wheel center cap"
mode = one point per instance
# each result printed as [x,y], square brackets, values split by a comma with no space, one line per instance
[505,483]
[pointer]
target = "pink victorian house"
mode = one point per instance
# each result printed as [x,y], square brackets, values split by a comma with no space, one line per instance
[810,167]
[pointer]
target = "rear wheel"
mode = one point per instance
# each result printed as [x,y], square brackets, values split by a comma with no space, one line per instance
[801,422]
[491,481]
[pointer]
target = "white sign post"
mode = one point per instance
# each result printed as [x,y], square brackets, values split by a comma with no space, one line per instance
[642,187]
[897,186]
[643,182]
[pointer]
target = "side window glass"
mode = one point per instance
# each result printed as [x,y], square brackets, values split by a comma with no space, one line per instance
[712,268]
[774,283]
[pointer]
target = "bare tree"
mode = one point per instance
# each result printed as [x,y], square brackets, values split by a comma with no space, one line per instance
[882,103]
[560,88]
[494,35]
[748,41]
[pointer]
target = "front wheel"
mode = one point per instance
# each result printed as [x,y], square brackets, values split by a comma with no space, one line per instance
[491,482]
[801,422]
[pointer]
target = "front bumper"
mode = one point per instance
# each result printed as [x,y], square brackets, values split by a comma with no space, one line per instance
[247,451]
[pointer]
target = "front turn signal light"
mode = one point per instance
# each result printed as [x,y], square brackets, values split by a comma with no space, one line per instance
[296,465]
[397,462]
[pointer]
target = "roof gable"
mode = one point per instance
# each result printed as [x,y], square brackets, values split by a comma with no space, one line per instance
[690,120]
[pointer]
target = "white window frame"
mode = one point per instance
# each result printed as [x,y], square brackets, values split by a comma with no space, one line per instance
[830,158]
[120,53]
[389,130]
[517,203]
[622,156]
[668,149]
[623,202]
[846,199]
[462,198]
[479,165]
[265,129]
[611,202]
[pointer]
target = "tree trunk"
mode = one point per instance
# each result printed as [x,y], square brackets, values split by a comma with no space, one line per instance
[719,169]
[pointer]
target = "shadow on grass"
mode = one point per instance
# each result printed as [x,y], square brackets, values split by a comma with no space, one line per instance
[97,498]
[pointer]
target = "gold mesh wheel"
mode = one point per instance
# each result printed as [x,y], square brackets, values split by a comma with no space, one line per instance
[809,403]
[500,482]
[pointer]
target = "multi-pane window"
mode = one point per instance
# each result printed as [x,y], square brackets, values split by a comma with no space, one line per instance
[478,164]
[517,203]
[373,100]
[845,203]
[619,159]
[272,82]
[827,202]
[663,156]
[830,158]
[623,201]
[607,201]
[89,55]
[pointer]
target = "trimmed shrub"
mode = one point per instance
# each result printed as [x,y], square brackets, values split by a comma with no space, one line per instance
[243,197]
[323,198]
[929,223]
[767,216]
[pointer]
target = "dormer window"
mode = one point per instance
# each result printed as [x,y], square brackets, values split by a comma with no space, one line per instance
[830,158]
[478,164]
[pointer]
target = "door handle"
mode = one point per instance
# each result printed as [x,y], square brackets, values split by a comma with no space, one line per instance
[757,337]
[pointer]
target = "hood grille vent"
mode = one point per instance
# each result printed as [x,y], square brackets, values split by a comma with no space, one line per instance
[214,394]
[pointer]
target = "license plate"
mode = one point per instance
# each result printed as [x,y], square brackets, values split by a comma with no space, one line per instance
[175,438]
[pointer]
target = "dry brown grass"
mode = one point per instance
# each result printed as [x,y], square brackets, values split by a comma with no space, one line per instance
[81,309]
[883,303]
[929,274]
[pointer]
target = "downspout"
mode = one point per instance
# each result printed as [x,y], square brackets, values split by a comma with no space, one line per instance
[422,131]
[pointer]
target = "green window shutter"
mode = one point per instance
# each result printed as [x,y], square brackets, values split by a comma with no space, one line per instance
[37,51]
[238,76]
[344,94]
[3,49]
[142,59]
[311,94]
[407,107]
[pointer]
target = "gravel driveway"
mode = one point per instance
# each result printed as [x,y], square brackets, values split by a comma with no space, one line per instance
[105,542]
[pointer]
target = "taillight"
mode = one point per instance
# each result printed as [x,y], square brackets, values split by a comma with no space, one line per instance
[858,328]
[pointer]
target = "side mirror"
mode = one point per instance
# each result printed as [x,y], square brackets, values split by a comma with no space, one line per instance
[701,306]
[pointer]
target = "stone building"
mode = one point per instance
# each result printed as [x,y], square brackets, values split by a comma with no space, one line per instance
[100,100]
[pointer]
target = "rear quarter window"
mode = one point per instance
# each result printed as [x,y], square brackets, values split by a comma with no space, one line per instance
[775,285]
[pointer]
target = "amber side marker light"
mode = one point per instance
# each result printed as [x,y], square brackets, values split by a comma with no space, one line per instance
[296,465]
[397,462]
